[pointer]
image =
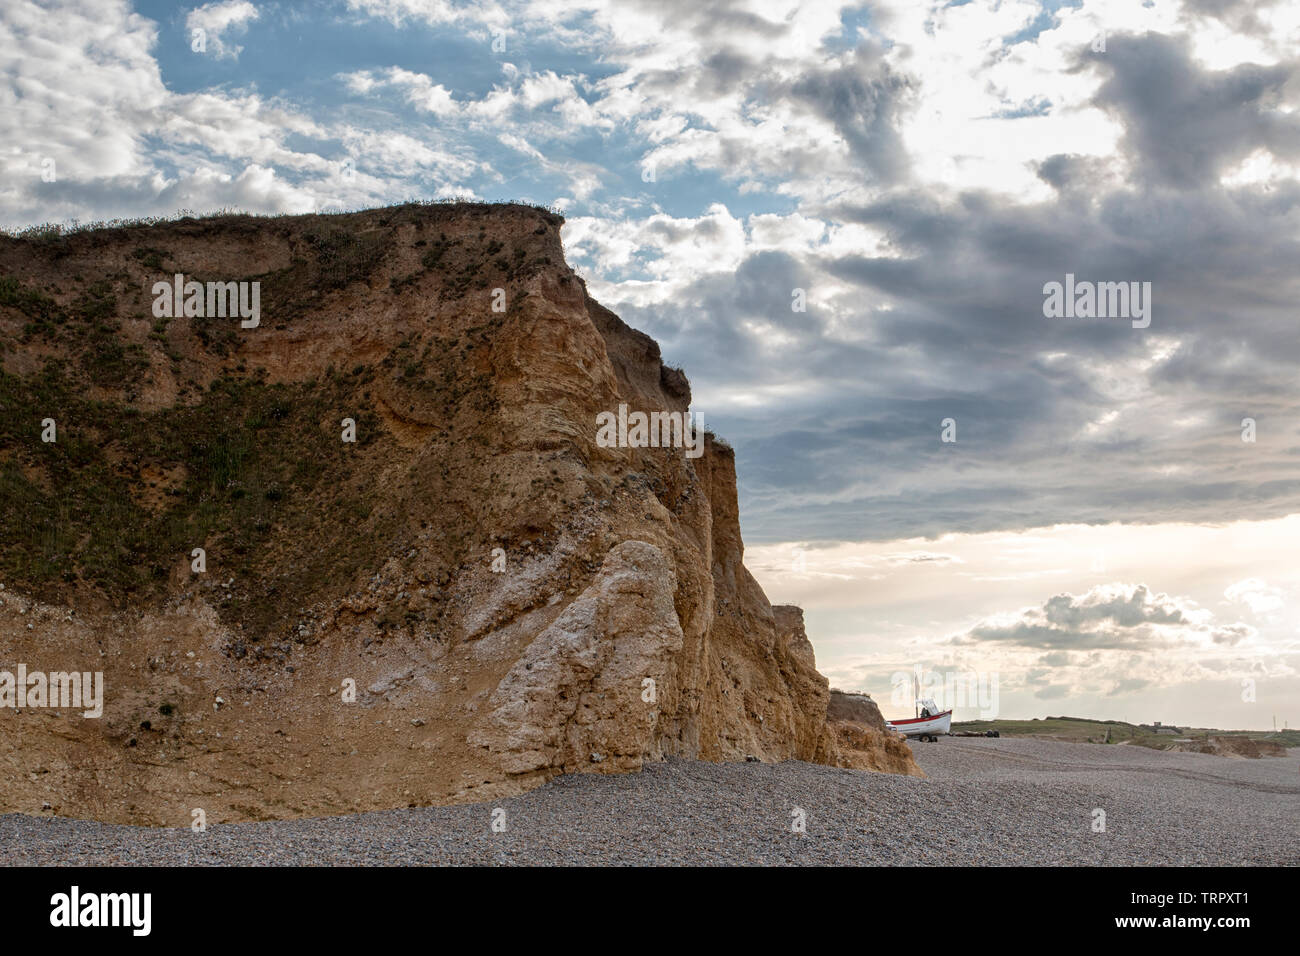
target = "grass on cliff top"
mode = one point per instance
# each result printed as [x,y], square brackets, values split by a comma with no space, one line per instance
[53,231]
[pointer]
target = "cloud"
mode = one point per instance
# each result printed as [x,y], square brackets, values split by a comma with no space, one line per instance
[1056,420]
[1184,125]
[922,557]
[863,98]
[123,144]
[1256,595]
[212,21]
[433,12]
[417,88]
[1108,617]
[1128,686]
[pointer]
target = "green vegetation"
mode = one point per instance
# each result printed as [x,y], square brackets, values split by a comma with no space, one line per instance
[150,258]
[344,257]
[87,330]
[432,257]
[35,305]
[333,258]
[250,458]
[1086,730]
[54,231]
[421,365]
[253,472]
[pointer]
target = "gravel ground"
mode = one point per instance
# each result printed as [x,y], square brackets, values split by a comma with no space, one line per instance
[987,801]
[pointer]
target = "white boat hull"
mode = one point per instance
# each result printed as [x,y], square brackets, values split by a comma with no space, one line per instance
[923,726]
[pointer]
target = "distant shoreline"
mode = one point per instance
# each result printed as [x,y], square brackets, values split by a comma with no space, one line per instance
[1158,737]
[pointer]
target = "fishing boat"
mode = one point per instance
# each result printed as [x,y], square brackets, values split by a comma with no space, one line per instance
[928,723]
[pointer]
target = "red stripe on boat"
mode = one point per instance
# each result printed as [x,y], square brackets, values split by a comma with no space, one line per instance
[918,720]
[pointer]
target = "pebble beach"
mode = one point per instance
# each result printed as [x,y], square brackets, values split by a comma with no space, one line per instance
[1004,801]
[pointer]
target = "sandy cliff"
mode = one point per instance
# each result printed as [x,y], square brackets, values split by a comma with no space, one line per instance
[509,600]
[864,742]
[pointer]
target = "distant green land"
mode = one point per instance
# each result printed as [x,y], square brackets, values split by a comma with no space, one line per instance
[1085,730]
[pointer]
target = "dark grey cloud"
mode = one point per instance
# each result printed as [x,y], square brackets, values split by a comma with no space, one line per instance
[863,99]
[956,330]
[949,324]
[1241,15]
[1064,610]
[1103,619]
[1231,634]
[1184,125]
[1072,174]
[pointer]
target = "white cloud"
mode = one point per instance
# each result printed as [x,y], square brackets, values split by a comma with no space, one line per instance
[1256,595]
[872,612]
[212,21]
[672,250]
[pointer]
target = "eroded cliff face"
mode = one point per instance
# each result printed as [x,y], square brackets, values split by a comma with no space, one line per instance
[865,743]
[509,600]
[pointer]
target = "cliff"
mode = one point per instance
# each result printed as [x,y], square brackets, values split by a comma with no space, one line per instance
[469,598]
[864,742]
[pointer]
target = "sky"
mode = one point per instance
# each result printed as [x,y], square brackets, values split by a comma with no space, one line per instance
[841,220]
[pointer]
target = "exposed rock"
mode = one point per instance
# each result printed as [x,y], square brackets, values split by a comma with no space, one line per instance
[576,693]
[865,743]
[859,708]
